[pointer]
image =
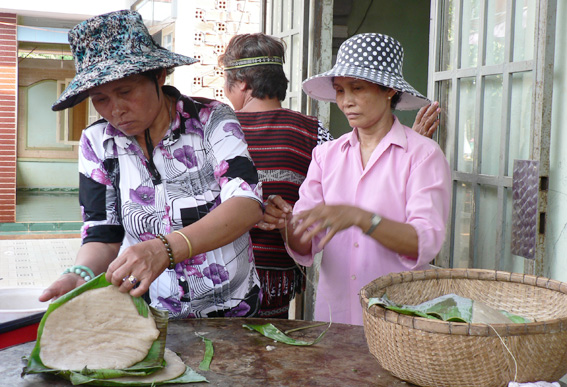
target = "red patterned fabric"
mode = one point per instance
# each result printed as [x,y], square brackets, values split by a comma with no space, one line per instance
[280,143]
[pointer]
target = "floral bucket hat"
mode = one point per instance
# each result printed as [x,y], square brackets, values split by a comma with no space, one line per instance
[371,57]
[110,47]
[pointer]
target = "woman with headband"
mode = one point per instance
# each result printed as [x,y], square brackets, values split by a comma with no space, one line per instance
[167,186]
[280,142]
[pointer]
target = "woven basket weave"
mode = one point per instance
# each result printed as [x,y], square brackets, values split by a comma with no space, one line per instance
[438,353]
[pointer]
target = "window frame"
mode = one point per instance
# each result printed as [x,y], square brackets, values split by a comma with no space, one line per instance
[540,125]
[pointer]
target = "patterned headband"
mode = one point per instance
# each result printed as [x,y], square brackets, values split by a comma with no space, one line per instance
[247,62]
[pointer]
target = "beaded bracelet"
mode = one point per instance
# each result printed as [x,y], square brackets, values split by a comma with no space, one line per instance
[85,273]
[188,243]
[169,252]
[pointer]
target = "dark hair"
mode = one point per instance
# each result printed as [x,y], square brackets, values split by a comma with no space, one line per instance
[154,74]
[265,81]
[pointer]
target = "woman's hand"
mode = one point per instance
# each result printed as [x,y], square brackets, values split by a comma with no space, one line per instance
[324,217]
[427,120]
[140,265]
[276,212]
[62,285]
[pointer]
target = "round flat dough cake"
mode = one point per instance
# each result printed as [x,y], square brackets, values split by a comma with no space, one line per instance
[174,368]
[100,328]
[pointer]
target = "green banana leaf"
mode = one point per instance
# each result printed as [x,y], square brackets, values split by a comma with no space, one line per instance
[189,376]
[208,357]
[274,333]
[151,363]
[450,307]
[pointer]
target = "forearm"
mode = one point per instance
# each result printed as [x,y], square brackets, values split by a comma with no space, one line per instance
[221,226]
[395,236]
[97,255]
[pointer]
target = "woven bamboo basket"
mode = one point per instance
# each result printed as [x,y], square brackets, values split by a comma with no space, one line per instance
[438,353]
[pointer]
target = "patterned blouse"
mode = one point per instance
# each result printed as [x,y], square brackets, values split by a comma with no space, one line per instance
[201,162]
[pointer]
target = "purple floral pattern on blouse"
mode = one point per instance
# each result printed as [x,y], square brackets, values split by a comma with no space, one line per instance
[235,129]
[147,236]
[198,259]
[239,310]
[143,195]
[216,273]
[100,176]
[88,151]
[186,156]
[171,304]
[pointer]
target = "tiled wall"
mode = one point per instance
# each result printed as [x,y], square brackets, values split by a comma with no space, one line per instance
[8,88]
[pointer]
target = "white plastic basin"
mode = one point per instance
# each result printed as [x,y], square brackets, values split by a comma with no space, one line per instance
[16,303]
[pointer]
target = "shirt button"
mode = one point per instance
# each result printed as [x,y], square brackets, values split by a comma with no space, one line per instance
[353,277]
[355,244]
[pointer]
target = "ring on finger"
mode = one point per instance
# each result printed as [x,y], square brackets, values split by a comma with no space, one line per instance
[133,280]
[327,225]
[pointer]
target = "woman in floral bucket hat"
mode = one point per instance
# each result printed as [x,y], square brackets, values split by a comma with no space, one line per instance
[167,186]
[377,198]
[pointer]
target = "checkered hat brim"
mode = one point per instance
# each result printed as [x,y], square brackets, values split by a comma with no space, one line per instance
[371,57]
[111,47]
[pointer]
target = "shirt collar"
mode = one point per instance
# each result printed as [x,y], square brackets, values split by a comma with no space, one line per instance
[396,136]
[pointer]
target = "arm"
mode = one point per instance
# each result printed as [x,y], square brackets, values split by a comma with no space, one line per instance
[147,260]
[95,255]
[427,120]
[396,236]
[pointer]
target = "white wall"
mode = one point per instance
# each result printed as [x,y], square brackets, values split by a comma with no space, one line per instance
[556,243]
[51,174]
[184,44]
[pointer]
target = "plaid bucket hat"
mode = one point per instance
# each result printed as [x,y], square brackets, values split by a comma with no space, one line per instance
[110,47]
[371,57]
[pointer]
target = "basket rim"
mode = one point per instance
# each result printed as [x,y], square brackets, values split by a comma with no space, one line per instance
[459,328]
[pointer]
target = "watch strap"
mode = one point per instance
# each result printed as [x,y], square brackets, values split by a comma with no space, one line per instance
[375,221]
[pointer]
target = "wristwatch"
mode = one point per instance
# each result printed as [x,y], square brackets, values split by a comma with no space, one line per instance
[375,221]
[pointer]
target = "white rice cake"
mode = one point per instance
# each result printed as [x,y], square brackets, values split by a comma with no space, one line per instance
[99,329]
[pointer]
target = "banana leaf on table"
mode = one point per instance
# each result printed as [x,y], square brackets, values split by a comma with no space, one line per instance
[154,360]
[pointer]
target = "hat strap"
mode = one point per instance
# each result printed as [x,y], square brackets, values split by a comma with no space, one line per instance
[248,62]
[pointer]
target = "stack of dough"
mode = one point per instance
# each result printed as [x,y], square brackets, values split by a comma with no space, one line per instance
[102,329]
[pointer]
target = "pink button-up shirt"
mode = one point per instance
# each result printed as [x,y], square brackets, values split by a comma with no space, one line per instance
[407,179]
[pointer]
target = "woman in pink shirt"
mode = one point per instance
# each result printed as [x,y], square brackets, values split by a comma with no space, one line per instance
[377,198]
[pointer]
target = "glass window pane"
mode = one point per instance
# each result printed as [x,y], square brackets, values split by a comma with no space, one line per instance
[463,217]
[524,29]
[296,13]
[277,16]
[487,228]
[491,125]
[286,14]
[293,104]
[294,59]
[520,118]
[510,262]
[469,33]
[495,31]
[288,57]
[444,135]
[448,35]
[466,124]
[41,120]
